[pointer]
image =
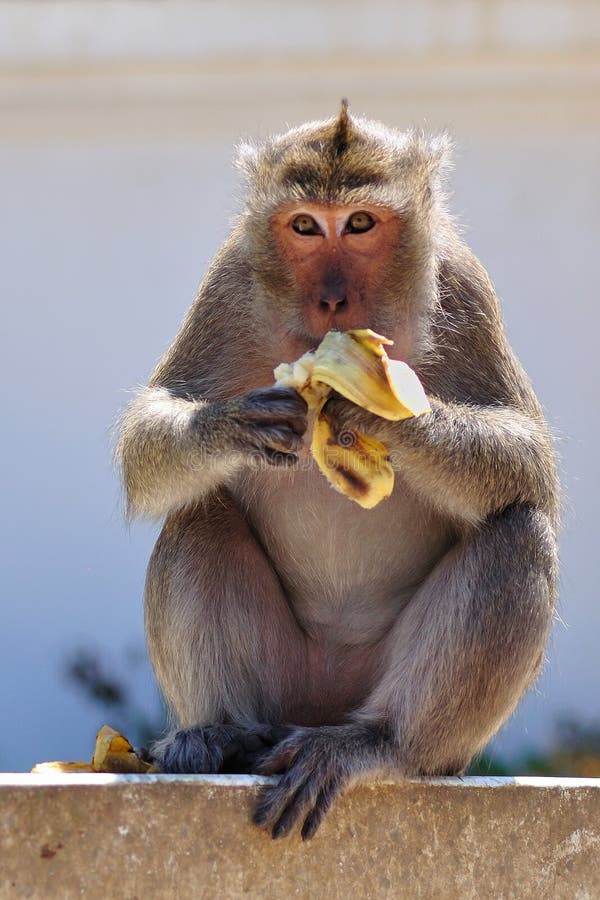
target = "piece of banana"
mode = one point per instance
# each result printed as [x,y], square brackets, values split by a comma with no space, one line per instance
[112,753]
[355,364]
[61,768]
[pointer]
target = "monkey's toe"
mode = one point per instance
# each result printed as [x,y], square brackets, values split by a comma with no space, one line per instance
[188,752]
[217,748]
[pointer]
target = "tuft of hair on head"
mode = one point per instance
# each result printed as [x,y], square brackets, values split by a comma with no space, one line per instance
[247,158]
[341,135]
[441,148]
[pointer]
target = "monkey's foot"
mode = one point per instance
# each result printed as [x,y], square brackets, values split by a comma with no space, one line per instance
[317,764]
[217,748]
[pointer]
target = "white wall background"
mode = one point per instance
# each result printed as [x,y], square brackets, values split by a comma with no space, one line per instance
[117,125]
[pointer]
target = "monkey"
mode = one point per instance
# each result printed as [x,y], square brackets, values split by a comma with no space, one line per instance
[292,632]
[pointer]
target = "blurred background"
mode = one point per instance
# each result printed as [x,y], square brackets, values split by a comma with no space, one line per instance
[118,122]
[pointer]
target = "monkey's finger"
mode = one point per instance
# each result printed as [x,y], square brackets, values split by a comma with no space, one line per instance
[278,437]
[187,753]
[281,439]
[250,747]
[345,414]
[252,742]
[328,793]
[243,761]
[273,734]
[268,419]
[256,748]
[275,799]
[280,758]
[276,397]
[316,794]
[305,797]
[232,752]
[339,409]
[239,758]
[276,406]
[264,736]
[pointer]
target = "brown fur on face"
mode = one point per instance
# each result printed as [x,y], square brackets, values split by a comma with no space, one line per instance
[293,632]
[337,275]
[399,174]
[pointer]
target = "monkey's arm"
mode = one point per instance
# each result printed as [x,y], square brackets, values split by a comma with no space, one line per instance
[475,461]
[468,461]
[195,425]
[174,451]
[165,452]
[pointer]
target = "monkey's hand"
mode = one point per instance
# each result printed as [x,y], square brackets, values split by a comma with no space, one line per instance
[469,461]
[316,765]
[264,425]
[217,748]
[348,421]
[347,416]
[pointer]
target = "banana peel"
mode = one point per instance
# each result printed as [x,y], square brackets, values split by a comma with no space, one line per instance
[355,365]
[113,754]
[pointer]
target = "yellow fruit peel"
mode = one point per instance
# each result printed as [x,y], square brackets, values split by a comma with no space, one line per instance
[361,471]
[61,768]
[355,365]
[112,754]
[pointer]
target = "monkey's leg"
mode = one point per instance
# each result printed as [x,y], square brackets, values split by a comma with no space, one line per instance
[470,642]
[455,664]
[223,642]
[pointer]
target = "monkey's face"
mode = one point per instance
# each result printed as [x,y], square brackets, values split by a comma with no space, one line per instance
[335,258]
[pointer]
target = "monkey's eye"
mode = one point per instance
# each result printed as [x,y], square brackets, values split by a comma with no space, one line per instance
[359,222]
[304,224]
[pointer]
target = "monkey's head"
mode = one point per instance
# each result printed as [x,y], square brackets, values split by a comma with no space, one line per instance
[342,226]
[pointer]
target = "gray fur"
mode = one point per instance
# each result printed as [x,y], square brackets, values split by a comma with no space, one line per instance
[400,637]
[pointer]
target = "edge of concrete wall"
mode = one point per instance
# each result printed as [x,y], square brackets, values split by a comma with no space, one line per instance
[190,836]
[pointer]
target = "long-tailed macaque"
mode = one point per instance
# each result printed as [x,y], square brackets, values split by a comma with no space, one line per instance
[292,631]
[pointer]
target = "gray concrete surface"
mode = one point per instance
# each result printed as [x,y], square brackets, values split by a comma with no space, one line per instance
[190,837]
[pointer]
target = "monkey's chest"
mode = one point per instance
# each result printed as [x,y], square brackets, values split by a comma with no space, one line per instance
[346,571]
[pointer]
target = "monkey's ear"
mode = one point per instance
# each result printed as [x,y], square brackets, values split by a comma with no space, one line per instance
[247,159]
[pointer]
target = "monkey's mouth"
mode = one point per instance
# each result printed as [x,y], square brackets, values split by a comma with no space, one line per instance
[307,335]
[317,337]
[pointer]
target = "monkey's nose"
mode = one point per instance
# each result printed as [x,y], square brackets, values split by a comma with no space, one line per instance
[332,303]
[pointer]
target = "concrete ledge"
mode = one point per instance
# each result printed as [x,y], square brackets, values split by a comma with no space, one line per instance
[176,836]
